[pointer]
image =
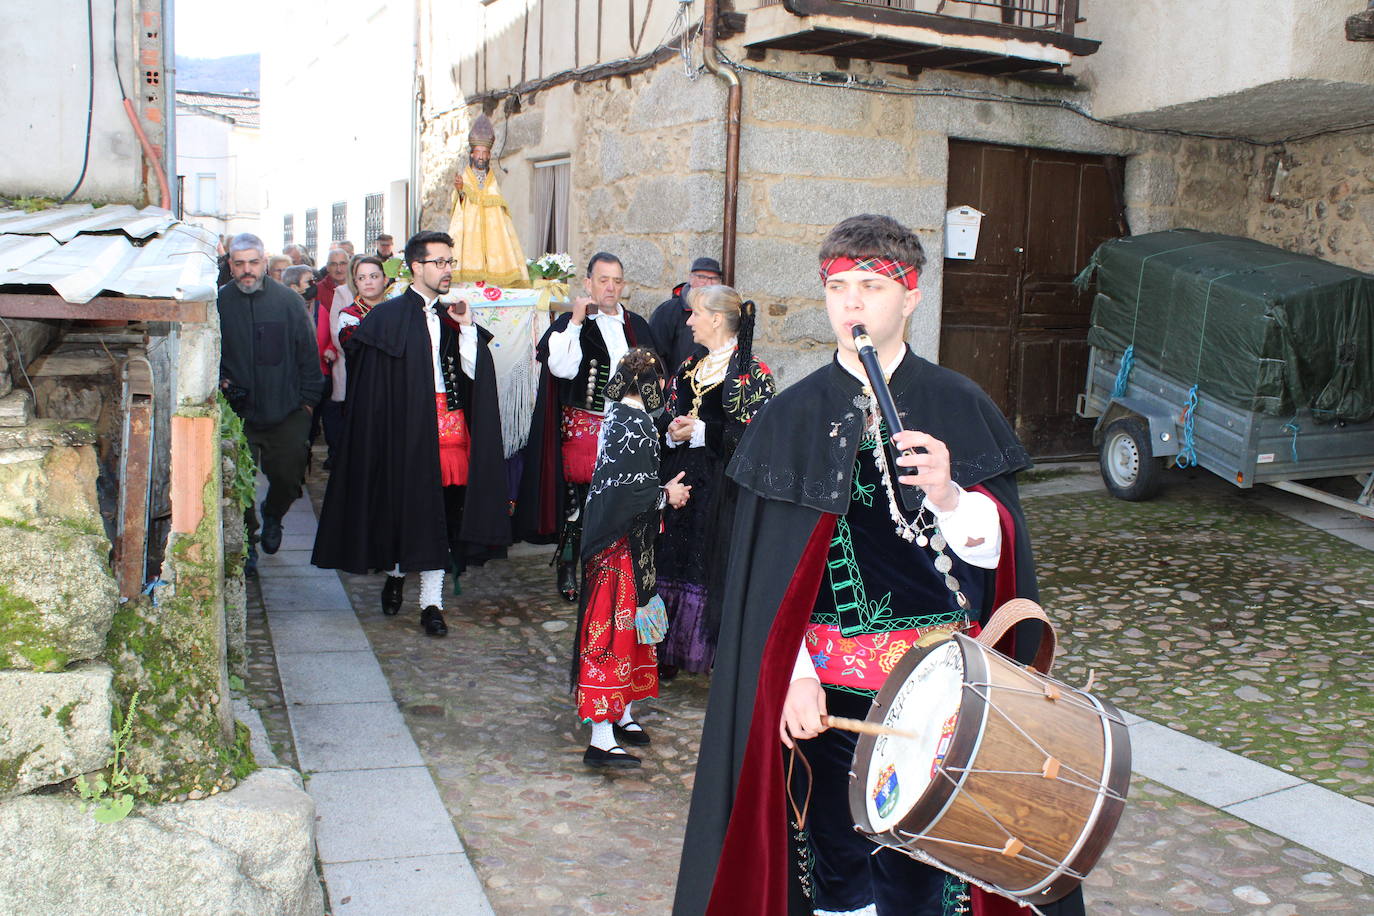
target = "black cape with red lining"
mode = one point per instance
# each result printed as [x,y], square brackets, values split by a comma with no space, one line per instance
[384,504]
[540,502]
[795,467]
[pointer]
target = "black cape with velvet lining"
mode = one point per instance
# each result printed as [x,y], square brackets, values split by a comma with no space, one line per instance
[384,503]
[540,504]
[794,467]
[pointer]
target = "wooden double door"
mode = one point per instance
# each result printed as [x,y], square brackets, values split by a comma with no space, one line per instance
[1012,319]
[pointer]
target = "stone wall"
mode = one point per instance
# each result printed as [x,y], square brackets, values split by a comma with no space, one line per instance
[648,154]
[1325,205]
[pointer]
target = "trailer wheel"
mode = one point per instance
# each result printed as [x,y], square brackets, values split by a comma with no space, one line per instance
[1129,468]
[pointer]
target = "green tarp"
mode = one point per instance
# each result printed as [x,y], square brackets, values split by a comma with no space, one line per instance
[1251,325]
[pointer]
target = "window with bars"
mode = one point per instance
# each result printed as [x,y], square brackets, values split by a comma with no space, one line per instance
[288,229]
[372,221]
[312,233]
[338,228]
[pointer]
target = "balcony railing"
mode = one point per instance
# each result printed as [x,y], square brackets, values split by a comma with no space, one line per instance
[1049,15]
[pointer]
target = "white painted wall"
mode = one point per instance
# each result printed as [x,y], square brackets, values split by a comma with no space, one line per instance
[336,113]
[1173,52]
[214,151]
[43,99]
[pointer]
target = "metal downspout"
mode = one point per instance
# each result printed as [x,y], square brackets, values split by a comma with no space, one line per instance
[732,116]
[169,103]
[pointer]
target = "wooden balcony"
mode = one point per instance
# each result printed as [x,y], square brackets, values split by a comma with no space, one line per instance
[992,37]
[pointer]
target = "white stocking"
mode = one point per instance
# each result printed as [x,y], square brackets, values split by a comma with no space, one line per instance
[603,736]
[432,588]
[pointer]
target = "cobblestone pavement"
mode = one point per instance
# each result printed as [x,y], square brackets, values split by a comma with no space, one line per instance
[1175,610]
[1216,617]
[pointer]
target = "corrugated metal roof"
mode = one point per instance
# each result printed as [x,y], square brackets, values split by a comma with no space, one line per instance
[241,109]
[81,251]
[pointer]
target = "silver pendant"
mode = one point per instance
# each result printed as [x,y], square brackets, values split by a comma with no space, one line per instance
[943,563]
[951,583]
[938,541]
[922,540]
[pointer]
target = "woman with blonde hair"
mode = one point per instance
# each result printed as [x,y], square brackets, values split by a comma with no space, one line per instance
[711,400]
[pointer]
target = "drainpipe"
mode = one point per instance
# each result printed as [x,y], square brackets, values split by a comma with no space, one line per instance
[732,111]
[169,104]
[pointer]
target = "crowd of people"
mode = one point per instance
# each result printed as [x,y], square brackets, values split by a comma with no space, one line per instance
[700,520]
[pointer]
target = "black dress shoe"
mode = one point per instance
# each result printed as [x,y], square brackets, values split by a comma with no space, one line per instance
[391,595]
[617,758]
[567,581]
[635,735]
[271,534]
[432,619]
[666,672]
[250,563]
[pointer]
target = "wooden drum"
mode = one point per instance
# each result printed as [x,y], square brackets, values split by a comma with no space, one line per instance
[1005,776]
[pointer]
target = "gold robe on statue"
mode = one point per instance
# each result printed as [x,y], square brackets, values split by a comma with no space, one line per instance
[484,240]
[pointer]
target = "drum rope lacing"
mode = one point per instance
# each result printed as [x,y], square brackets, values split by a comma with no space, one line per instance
[901,839]
[1089,784]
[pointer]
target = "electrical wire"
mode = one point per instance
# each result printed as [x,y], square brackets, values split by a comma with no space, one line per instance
[90,100]
[20,355]
[837,80]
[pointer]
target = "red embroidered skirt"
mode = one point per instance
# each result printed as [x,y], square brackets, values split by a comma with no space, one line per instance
[454,444]
[613,668]
[580,430]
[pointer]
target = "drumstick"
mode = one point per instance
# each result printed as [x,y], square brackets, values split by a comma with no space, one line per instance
[865,728]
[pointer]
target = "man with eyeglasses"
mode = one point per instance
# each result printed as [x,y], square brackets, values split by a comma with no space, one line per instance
[580,352]
[419,479]
[270,374]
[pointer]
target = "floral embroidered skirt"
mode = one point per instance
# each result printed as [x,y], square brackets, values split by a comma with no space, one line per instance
[454,444]
[613,668]
[580,430]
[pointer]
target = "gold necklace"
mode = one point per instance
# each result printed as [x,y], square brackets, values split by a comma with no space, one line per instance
[699,391]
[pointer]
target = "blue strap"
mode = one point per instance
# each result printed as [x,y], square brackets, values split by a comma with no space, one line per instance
[1123,374]
[1187,456]
[1292,427]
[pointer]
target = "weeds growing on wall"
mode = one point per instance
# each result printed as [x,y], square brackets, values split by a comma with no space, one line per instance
[112,795]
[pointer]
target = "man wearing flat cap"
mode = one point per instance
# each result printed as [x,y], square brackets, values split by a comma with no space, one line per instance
[669,320]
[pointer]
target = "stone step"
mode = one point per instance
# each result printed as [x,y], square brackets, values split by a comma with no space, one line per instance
[16,408]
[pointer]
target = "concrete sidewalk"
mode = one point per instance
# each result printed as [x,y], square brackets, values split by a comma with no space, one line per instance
[386,841]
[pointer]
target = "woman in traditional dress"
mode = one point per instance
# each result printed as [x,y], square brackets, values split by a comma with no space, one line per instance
[368,281]
[614,663]
[711,399]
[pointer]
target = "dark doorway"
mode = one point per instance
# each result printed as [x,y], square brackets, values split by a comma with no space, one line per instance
[1012,319]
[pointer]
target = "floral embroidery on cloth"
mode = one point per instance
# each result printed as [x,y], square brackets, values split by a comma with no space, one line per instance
[580,429]
[454,444]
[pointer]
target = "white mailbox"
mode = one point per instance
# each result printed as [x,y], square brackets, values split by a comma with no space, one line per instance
[961,232]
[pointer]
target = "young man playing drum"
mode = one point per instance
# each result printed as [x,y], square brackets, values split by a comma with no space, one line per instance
[838,569]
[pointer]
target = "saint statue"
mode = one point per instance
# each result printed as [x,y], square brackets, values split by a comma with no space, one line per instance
[485,243]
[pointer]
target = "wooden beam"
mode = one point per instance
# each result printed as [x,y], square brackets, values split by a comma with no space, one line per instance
[37,305]
[131,541]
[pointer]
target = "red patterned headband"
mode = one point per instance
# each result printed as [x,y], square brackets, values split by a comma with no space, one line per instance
[900,271]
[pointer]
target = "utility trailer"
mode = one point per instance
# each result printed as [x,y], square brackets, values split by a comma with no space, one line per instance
[1246,360]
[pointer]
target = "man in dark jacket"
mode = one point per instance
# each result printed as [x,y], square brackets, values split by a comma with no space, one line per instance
[419,481]
[669,320]
[270,373]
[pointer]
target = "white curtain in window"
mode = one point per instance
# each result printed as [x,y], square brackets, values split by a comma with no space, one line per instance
[561,179]
[543,209]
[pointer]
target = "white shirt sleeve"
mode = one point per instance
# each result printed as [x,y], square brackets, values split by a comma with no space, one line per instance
[565,351]
[698,439]
[972,528]
[467,349]
[804,667]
